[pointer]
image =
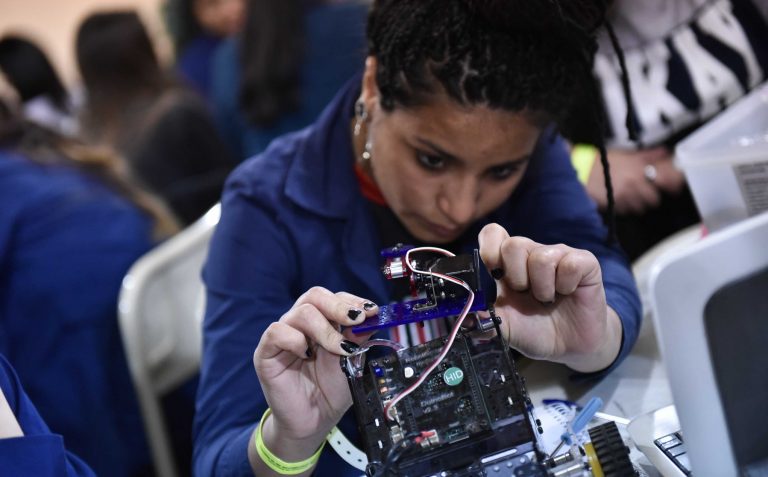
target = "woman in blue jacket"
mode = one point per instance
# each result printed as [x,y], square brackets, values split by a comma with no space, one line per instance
[70,227]
[447,138]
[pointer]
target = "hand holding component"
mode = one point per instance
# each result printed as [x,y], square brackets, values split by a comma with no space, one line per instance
[297,362]
[551,301]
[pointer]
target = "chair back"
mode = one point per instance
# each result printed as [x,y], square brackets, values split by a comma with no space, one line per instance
[161,305]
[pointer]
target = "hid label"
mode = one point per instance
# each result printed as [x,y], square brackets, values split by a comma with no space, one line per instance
[453,376]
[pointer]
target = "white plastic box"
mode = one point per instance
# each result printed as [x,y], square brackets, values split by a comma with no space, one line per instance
[726,162]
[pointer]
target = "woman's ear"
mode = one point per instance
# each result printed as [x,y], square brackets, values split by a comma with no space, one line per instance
[370,91]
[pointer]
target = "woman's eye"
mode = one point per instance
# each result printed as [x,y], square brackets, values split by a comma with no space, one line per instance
[431,162]
[502,172]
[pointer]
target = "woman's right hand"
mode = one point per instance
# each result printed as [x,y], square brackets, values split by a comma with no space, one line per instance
[297,362]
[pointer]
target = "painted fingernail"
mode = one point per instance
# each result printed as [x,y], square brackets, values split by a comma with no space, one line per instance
[497,273]
[369,305]
[308,352]
[349,347]
[354,314]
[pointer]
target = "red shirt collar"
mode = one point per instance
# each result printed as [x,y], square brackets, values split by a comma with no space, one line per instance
[368,187]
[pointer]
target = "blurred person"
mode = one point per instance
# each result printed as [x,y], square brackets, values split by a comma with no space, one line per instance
[288,62]
[44,98]
[7,90]
[164,132]
[197,28]
[686,61]
[27,445]
[70,228]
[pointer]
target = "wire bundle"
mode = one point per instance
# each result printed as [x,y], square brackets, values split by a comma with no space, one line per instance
[389,409]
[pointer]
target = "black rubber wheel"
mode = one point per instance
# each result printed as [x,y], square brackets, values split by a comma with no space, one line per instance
[611,452]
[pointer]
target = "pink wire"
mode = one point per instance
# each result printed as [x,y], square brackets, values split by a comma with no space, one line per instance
[454,331]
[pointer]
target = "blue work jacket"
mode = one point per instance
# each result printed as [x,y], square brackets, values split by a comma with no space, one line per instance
[39,453]
[294,217]
[66,242]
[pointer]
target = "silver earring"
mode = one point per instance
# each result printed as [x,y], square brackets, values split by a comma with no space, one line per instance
[366,155]
[361,116]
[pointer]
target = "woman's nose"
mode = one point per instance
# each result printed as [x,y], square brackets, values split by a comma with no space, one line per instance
[458,201]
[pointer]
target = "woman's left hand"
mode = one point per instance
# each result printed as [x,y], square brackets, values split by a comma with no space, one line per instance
[551,301]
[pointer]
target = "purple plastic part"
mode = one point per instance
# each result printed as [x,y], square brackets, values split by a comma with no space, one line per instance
[396,251]
[402,313]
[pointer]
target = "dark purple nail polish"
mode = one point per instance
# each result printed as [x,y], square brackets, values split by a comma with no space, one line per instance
[497,273]
[369,305]
[354,314]
[349,347]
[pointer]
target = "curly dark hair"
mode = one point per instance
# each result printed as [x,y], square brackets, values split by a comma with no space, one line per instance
[532,56]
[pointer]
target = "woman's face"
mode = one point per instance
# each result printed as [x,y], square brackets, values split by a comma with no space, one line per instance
[442,166]
[220,17]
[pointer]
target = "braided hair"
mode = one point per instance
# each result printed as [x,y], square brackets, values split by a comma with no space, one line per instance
[532,56]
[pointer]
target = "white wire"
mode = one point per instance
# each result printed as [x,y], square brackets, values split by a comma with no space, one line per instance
[391,406]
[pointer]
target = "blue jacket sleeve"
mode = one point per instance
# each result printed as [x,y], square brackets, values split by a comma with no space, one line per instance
[39,452]
[241,303]
[553,207]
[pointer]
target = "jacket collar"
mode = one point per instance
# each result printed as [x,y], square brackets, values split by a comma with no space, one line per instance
[322,179]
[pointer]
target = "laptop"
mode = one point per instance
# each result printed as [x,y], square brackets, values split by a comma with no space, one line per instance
[710,308]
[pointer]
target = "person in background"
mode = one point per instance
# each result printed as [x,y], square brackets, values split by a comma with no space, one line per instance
[288,62]
[163,132]
[70,228]
[197,27]
[686,61]
[28,448]
[44,98]
[448,138]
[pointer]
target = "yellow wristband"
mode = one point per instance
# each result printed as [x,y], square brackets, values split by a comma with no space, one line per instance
[277,464]
[583,158]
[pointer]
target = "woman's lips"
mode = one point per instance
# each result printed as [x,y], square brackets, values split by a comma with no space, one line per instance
[443,230]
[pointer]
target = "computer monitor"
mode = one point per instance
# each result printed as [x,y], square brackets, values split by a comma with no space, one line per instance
[710,307]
